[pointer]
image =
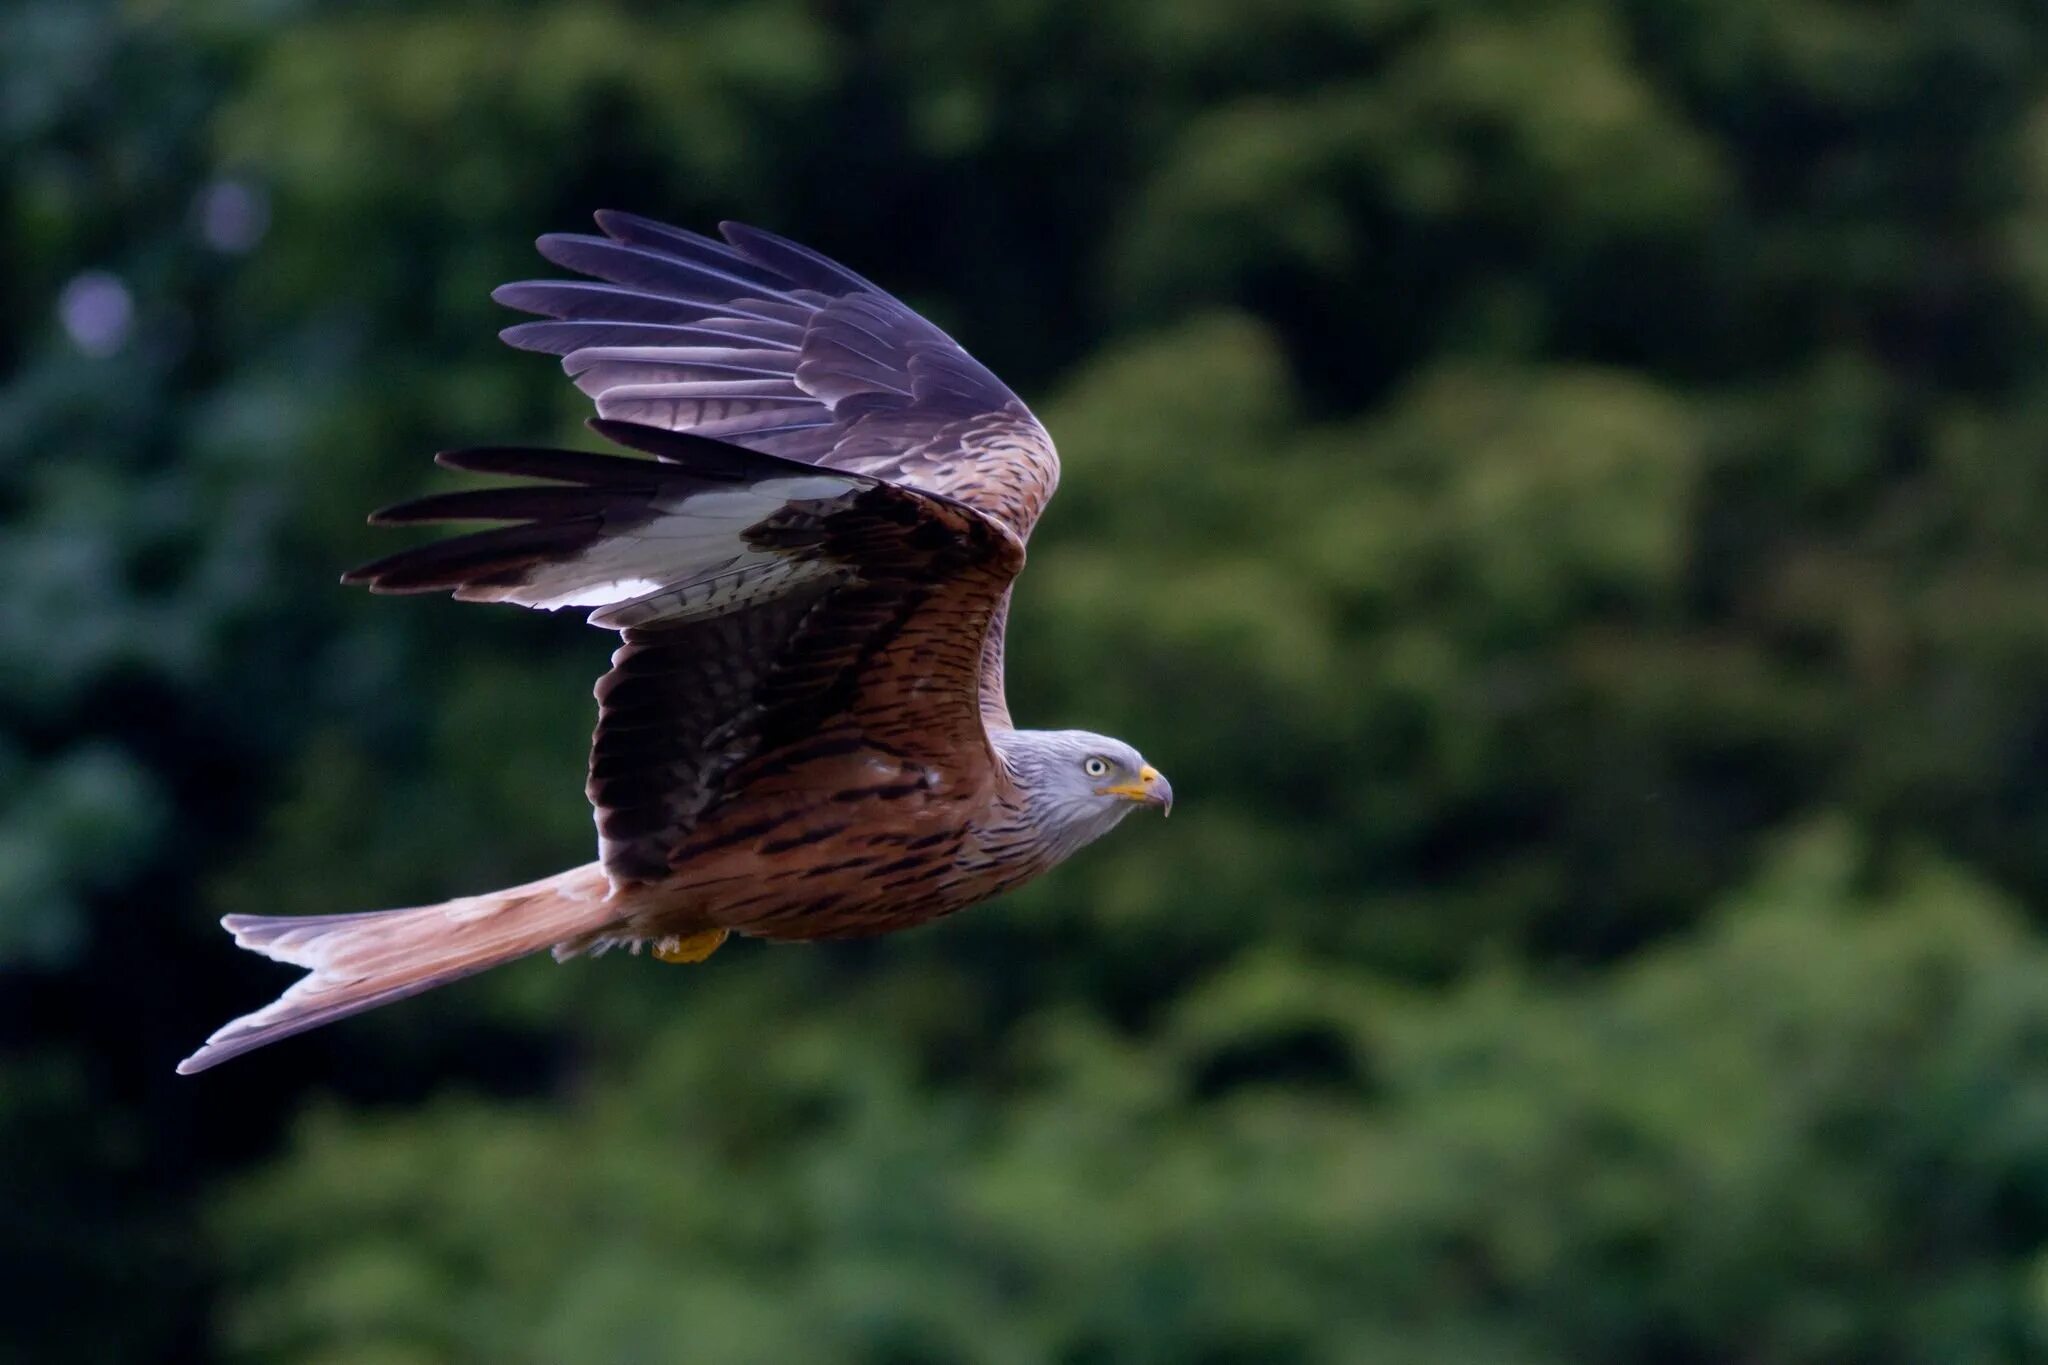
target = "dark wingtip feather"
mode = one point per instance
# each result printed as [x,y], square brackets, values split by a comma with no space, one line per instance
[527,502]
[622,226]
[490,558]
[704,456]
[554,245]
[508,295]
[560,466]
[517,336]
[552,337]
[595,301]
[639,435]
[560,336]
[673,267]
[795,261]
[635,229]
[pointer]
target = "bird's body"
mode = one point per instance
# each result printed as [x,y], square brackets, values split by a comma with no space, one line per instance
[803,734]
[894,845]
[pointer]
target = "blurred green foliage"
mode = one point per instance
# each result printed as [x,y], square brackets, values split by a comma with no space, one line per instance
[1559,487]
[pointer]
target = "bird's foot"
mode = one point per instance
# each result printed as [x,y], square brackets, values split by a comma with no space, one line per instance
[688,947]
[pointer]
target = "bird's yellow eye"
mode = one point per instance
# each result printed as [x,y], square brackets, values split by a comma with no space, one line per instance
[1095,767]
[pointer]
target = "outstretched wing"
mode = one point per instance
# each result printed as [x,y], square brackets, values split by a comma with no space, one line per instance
[766,344]
[772,611]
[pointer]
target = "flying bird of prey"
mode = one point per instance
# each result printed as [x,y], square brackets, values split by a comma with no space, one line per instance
[803,733]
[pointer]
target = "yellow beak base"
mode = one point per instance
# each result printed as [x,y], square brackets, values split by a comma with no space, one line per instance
[1151,788]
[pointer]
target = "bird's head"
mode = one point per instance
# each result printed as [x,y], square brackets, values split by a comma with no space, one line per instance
[1079,785]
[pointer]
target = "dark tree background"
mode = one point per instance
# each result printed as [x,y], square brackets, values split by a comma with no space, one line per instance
[1562,487]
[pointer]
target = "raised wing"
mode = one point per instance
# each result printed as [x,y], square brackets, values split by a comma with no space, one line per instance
[768,345]
[769,608]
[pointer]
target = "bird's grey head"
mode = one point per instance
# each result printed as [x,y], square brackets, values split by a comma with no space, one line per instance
[1078,785]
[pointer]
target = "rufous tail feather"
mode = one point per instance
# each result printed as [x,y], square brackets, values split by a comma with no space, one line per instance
[358,962]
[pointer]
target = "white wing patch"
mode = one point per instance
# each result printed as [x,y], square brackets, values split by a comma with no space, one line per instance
[595,594]
[690,560]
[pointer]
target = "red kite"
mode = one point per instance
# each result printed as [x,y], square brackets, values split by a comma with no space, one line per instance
[803,734]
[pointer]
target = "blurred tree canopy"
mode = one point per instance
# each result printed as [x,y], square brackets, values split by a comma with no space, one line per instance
[1559,486]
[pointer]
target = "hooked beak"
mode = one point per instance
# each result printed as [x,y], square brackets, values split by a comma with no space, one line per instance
[1151,789]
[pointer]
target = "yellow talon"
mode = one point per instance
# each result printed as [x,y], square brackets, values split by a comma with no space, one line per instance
[689,947]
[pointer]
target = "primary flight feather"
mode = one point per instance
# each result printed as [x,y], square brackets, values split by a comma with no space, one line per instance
[803,733]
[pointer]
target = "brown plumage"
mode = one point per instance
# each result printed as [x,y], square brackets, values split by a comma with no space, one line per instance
[803,733]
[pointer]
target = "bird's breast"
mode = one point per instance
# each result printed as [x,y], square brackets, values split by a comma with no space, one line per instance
[896,847]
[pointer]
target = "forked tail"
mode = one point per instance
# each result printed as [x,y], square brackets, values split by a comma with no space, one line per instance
[358,962]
